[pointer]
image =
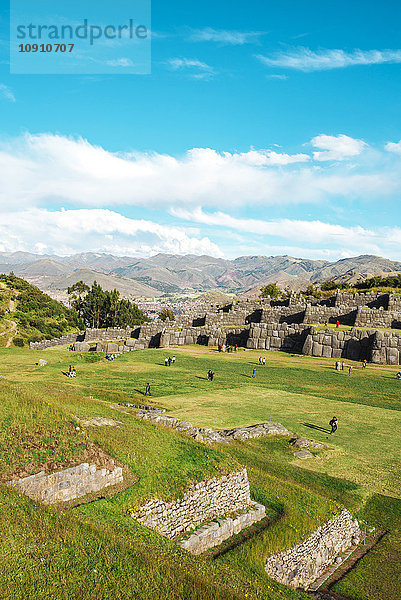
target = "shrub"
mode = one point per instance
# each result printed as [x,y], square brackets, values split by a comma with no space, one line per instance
[17,341]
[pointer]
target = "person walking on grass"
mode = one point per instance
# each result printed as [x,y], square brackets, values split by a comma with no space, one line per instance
[254,373]
[264,361]
[147,391]
[333,424]
[349,370]
[173,360]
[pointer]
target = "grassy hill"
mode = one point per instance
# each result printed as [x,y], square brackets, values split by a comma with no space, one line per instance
[29,315]
[98,551]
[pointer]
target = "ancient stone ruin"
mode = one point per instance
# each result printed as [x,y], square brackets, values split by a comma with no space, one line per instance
[223,506]
[68,484]
[300,566]
[297,325]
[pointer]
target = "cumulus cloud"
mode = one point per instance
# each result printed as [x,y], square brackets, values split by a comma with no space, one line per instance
[340,147]
[67,231]
[393,147]
[7,93]
[222,36]
[38,170]
[346,240]
[305,59]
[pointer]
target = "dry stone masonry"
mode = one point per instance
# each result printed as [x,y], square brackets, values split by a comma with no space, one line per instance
[267,324]
[68,484]
[300,566]
[226,501]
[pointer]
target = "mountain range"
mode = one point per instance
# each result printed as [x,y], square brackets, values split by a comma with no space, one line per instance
[186,274]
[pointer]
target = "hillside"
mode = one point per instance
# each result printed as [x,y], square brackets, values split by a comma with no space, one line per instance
[28,315]
[175,274]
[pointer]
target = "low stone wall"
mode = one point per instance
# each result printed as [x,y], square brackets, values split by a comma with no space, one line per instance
[203,502]
[300,566]
[68,484]
[216,532]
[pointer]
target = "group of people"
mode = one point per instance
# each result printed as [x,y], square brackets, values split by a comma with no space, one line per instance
[111,356]
[72,372]
[340,367]
[168,361]
[224,348]
[210,375]
[262,360]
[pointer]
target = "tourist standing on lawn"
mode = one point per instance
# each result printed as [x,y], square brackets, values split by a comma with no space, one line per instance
[333,423]
[254,373]
[147,392]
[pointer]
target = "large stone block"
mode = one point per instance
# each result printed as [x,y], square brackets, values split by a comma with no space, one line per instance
[317,349]
[327,351]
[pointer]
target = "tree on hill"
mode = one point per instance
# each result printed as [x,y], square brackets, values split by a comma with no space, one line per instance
[76,294]
[165,314]
[271,289]
[103,308]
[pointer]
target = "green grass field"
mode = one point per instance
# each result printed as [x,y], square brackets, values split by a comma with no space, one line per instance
[98,551]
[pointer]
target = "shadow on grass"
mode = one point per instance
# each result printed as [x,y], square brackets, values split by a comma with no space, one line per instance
[203,378]
[311,426]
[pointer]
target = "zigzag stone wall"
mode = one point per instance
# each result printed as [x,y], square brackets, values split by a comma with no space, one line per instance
[300,566]
[266,325]
[67,484]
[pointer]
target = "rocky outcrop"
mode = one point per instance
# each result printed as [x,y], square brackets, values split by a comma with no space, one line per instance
[300,566]
[209,435]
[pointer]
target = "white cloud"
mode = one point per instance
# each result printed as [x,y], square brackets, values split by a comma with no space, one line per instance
[393,147]
[120,62]
[304,59]
[277,76]
[191,66]
[236,38]
[267,157]
[340,147]
[97,230]
[347,240]
[7,93]
[36,170]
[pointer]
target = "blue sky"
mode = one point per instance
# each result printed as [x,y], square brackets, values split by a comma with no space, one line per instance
[264,128]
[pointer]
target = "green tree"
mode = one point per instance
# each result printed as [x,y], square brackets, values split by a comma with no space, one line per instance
[106,309]
[271,289]
[76,294]
[165,314]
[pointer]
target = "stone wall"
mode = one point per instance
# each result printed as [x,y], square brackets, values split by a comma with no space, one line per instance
[216,532]
[68,484]
[300,566]
[202,502]
[265,325]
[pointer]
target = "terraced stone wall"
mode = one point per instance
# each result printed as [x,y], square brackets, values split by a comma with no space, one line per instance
[300,566]
[68,484]
[203,501]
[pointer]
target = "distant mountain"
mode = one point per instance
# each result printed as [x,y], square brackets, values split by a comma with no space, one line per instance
[177,274]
